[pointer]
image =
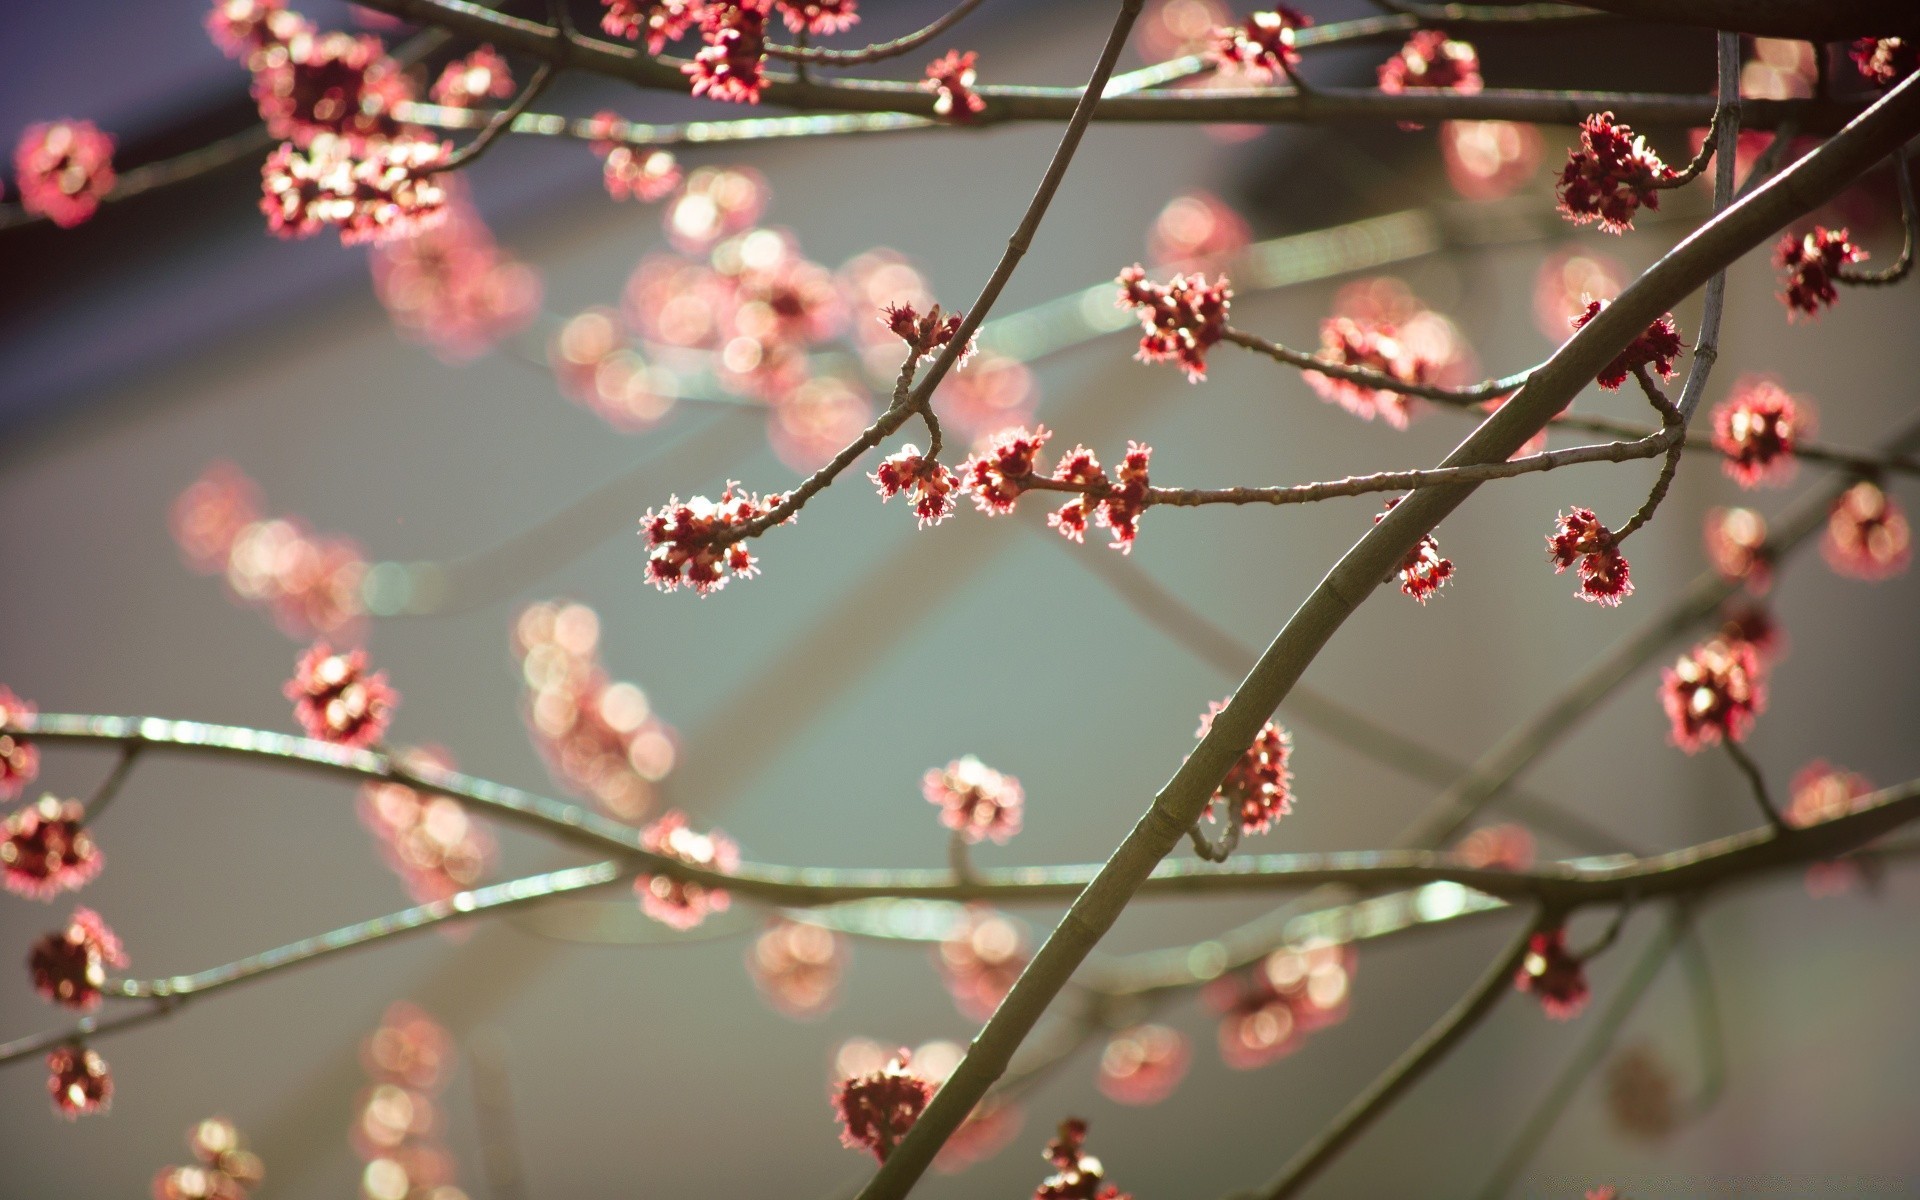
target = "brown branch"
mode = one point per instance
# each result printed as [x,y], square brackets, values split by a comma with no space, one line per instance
[1757,782]
[879,50]
[1901,267]
[1473,394]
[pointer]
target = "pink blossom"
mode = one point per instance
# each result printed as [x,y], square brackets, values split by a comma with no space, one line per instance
[1656,346]
[1714,691]
[876,1110]
[337,701]
[1261,47]
[979,961]
[1551,972]
[798,967]
[1611,176]
[78,1081]
[682,903]
[1812,262]
[69,966]
[19,758]
[950,78]
[696,543]
[45,849]
[1183,317]
[1758,428]
[1867,536]
[64,169]
[1144,1064]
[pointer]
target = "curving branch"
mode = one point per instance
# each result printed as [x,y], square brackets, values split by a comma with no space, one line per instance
[879,50]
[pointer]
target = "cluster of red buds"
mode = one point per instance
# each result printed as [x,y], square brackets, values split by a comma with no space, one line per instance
[975,801]
[985,1132]
[431,843]
[480,76]
[223,1168]
[78,1081]
[599,737]
[1431,61]
[340,85]
[63,169]
[45,849]
[1868,536]
[1267,1012]
[1885,61]
[1581,538]
[1550,972]
[1077,1175]
[1424,571]
[1812,262]
[951,78]
[399,1126]
[798,966]
[729,64]
[453,287]
[1183,318]
[929,483]
[1757,428]
[254,31]
[388,192]
[1611,176]
[1714,691]
[337,700]
[681,903]
[1143,1065]
[19,758]
[1736,541]
[1260,47]
[877,1108]
[980,959]
[697,543]
[311,584]
[644,173]
[69,965]
[1656,346]
[1258,789]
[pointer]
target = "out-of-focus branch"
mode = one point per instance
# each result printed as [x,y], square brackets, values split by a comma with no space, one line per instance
[879,50]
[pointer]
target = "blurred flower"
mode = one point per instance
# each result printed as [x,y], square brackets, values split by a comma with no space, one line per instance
[69,966]
[1867,534]
[77,1079]
[1268,1010]
[45,849]
[1714,691]
[877,1109]
[681,903]
[980,959]
[1551,972]
[1489,160]
[63,169]
[1144,1064]
[798,966]
[336,700]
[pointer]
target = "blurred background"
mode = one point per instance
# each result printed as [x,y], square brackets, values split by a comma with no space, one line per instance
[172,333]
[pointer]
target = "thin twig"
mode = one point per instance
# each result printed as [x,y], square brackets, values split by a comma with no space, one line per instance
[110,786]
[1672,437]
[1379,380]
[1758,783]
[1897,270]
[879,50]
[470,153]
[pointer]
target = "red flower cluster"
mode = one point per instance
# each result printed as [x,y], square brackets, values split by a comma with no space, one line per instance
[1823,793]
[818,17]
[78,1081]
[1611,176]
[695,544]
[644,173]
[1812,262]
[311,584]
[336,84]
[452,287]
[429,841]
[600,737]
[69,966]
[1077,1174]
[1183,317]
[1196,227]
[64,169]
[1423,571]
[1885,61]
[1261,46]
[1551,972]
[1713,691]
[728,66]
[1431,59]
[1144,1064]
[1656,346]
[979,961]
[677,903]
[877,1109]
[465,82]
[19,758]
[1267,1012]
[998,475]
[1736,546]
[1867,534]
[975,801]
[1580,537]
[398,1120]
[930,484]
[925,333]
[1373,346]
[391,192]
[1116,506]
[661,21]
[45,850]
[950,78]
[253,30]
[798,966]
[986,1130]
[226,1170]
[1757,429]
[337,701]
[1257,791]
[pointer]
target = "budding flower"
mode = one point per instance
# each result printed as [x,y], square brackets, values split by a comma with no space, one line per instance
[950,78]
[1714,691]
[1611,176]
[1183,317]
[930,483]
[69,967]
[1580,536]
[1551,972]
[1812,262]
[78,1081]
[876,1110]
[679,903]
[337,701]
[1656,346]
[1758,428]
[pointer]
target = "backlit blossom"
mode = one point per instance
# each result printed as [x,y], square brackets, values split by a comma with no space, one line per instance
[1714,691]
[1175,28]
[929,483]
[1196,228]
[979,961]
[1656,346]
[78,1081]
[252,29]
[997,476]
[1431,60]
[430,841]
[1183,317]
[1423,571]
[452,287]
[1077,1175]
[1885,61]
[816,420]
[975,801]
[1753,624]
[599,736]
[1737,547]
[1490,160]
[1267,1011]
[465,82]
[659,21]
[399,1118]
[336,700]
[392,192]
[695,543]
[728,66]
[1373,346]
[1611,176]
[950,78]
[715,203]
[1812,262]
[69,966]
[1581,538]
[1551,972]
[678,903]
[1503,847]
[1144,1064]
[45,849]
[644,173]
[1757,428]
[1822,792]
[1257,791]
[1867,536]
[336,84]
[877,1109]
[986,1130]
[224,1168]
[819,17]
[1260,47]
[19,758]
[797,966]
[925,333]
[63,169]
